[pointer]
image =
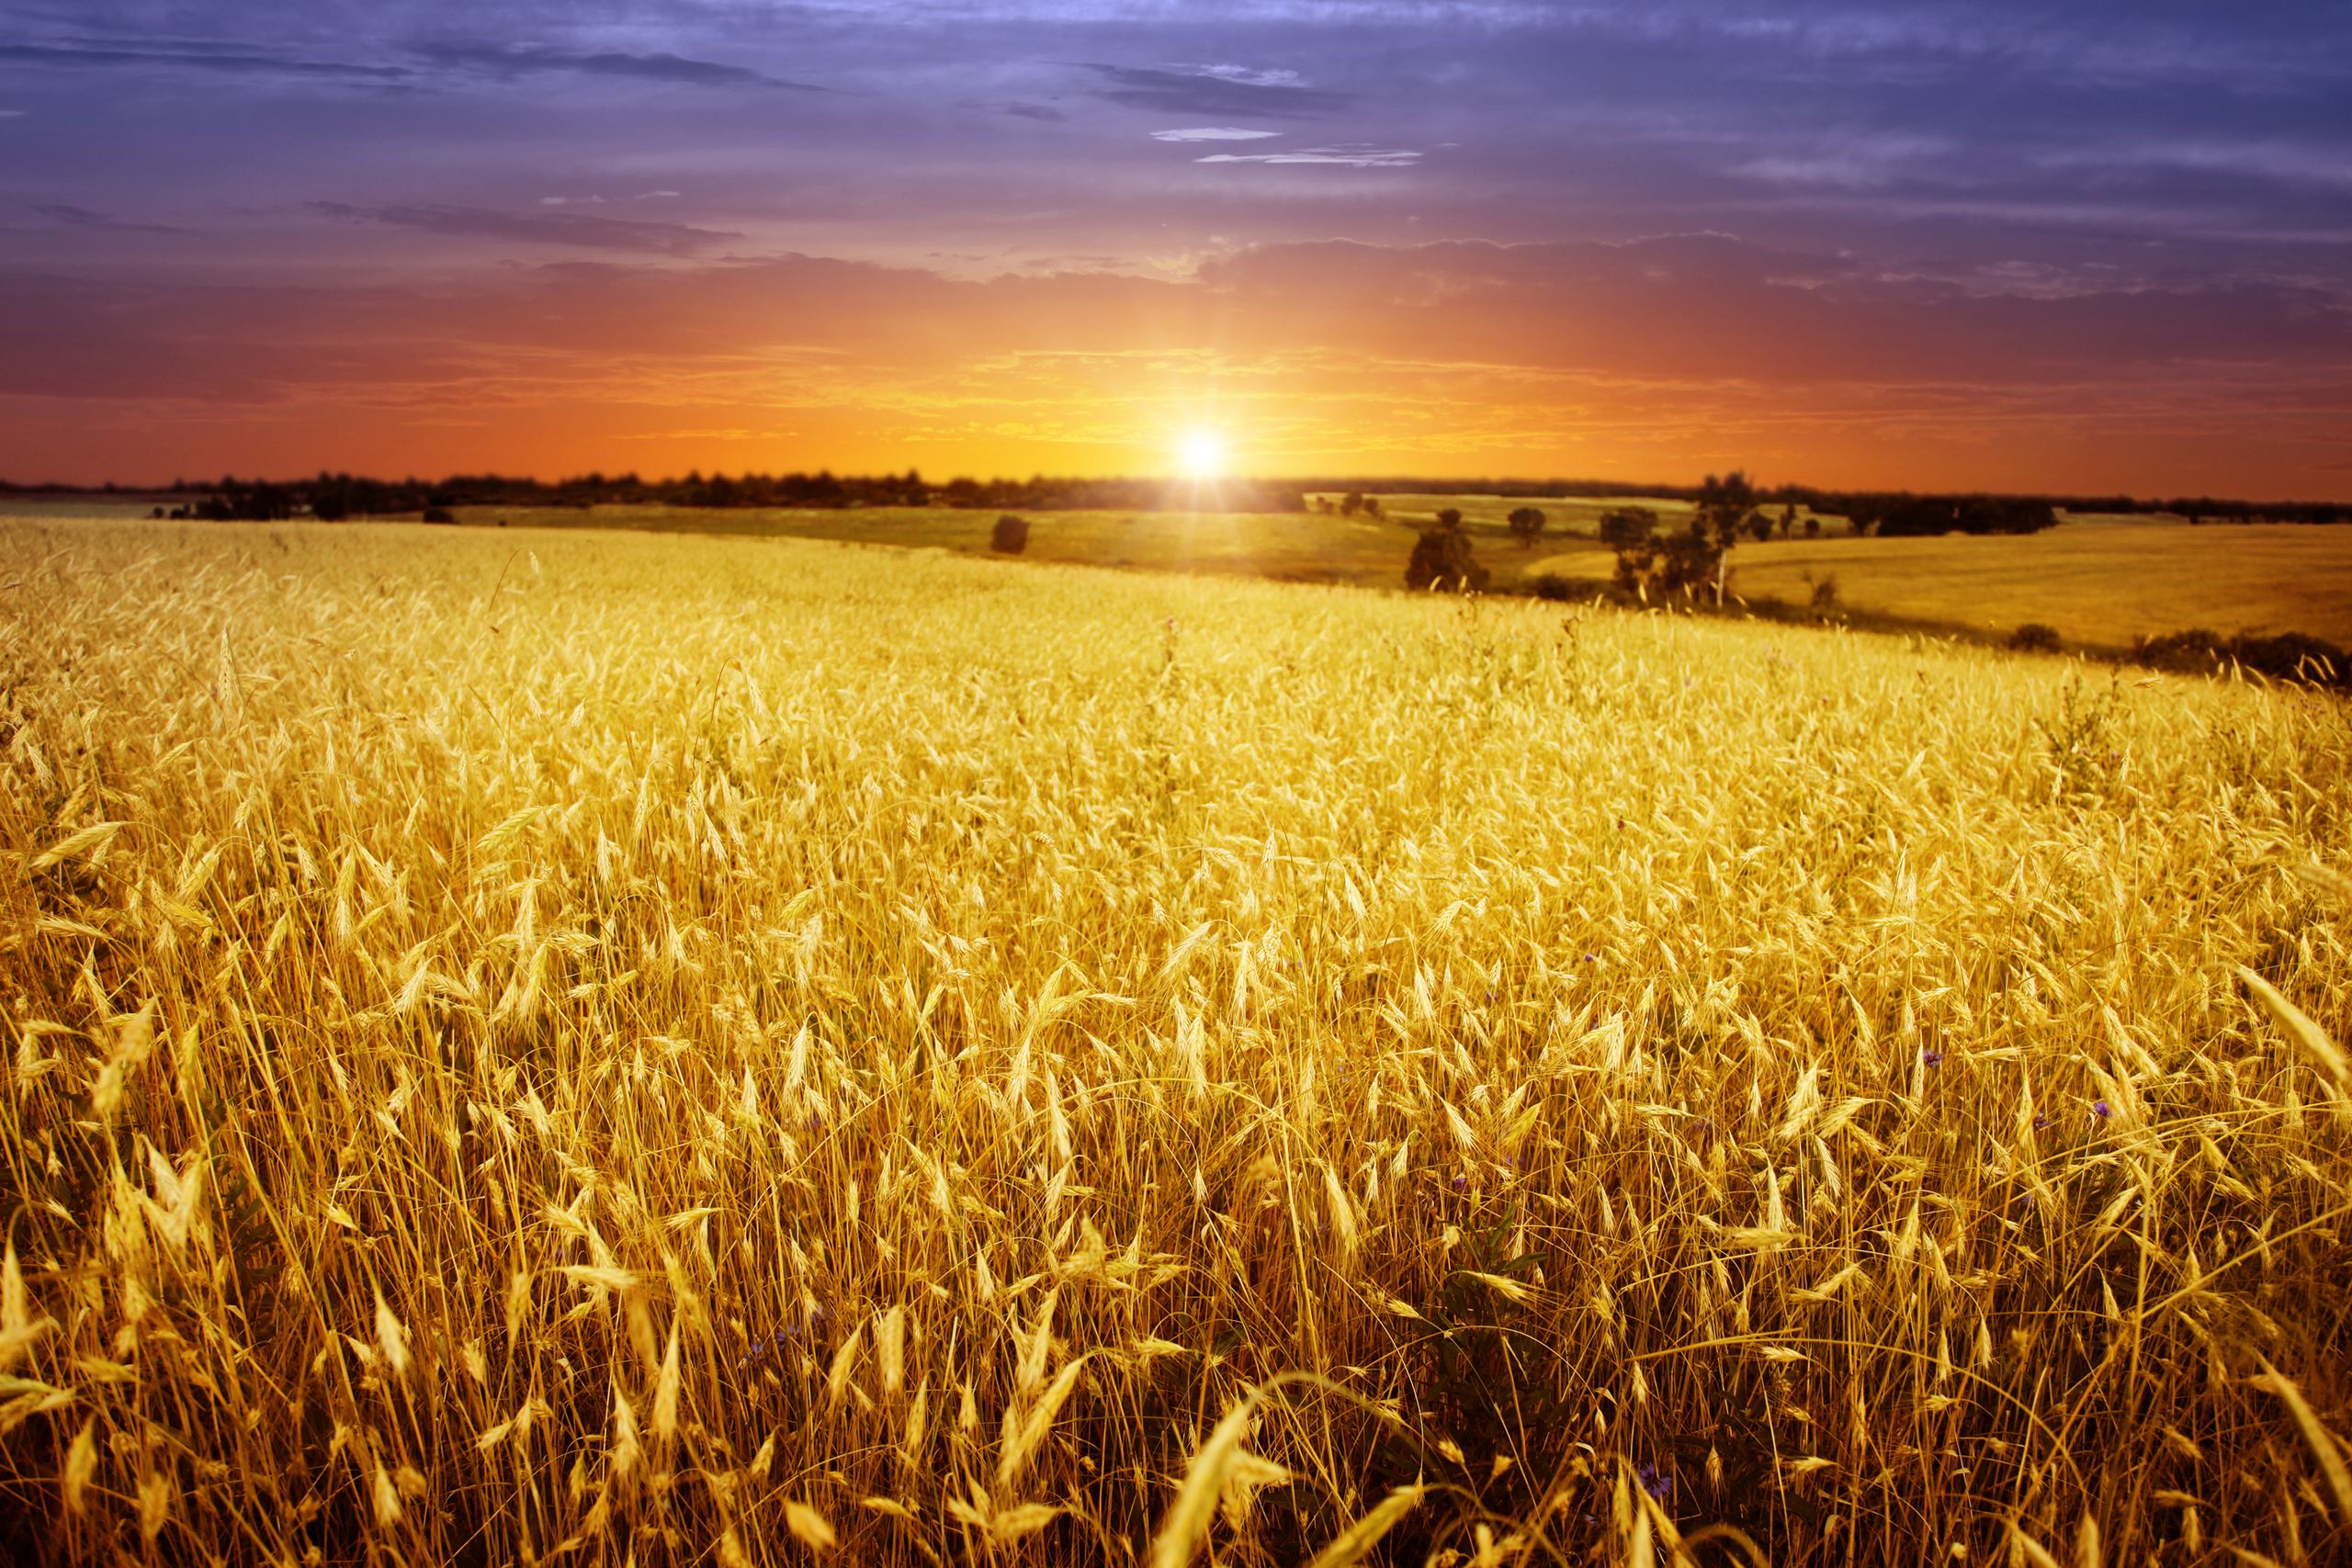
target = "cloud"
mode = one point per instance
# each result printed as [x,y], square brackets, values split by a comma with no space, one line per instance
[1249,77]
[1660,357]
[1197,90]
[219,59]
[569,229]
[1214,134]
[510,60]
[1044,112]
[82,218]
[12,114]
[1348,157]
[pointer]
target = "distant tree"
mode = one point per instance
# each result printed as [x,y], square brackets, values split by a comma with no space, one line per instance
[1372,506]
[438,514]
[1632,532]
[2035,638]
[1789,520]
[1441,557]
[1527,526]
[1726,508]
[1813,528]
[1650,561]
[1011,535]
[1351,504]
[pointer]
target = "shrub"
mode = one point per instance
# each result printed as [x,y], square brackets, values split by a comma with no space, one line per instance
[2035,638]
[2287,656]
[1552,585]
[439,514]
[1011,535]
[1825,593]
[1441,558]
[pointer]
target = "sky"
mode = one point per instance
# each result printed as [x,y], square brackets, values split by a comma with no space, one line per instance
[2078,245]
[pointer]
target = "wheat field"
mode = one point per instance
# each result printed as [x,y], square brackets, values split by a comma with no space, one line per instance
[585,1048]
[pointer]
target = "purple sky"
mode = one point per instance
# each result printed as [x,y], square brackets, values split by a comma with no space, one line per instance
[2100,245]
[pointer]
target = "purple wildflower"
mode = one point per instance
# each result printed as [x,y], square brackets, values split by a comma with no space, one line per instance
[1655,1481]
[1933,1059]
[2102,1110]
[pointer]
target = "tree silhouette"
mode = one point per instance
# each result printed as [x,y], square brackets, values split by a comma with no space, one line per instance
[1441,557]
[1527,526]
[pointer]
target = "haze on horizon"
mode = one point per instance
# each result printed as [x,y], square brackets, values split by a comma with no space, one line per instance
[1957,243]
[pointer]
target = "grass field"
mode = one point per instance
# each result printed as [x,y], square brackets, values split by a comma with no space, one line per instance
[2102,584]
[1285,546]
[2102,581]
[591,1047]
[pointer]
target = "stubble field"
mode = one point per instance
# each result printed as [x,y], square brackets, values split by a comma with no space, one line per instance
[569,1047]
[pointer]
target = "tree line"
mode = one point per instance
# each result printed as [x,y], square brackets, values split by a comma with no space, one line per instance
[334,497]
[1887,512]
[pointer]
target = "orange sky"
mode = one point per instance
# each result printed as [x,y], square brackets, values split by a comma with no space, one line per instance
[1653,359]
[1954,243]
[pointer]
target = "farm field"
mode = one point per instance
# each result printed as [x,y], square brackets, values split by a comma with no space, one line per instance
[581,1047]
[2101,583]
[1285,546]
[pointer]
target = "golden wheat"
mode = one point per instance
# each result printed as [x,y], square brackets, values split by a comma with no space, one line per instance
[588,1049]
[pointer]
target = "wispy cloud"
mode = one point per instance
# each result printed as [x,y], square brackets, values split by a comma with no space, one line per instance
[509,61]
[1250,75]
[1214,134]
[82,218]
[569,229]
[223,58]
[1209,91]
[1351,157]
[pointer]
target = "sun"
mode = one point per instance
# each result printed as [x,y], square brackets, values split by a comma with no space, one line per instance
[1202,454]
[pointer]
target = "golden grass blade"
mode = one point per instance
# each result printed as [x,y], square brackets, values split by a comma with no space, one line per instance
[2323,1445]
[808,1527]
[1204,1477]
[2306,1033]
[1037,1422]
[75,845]
[81,1464]
[1351,1545]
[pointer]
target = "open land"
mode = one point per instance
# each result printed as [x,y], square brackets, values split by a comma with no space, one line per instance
[570,1046]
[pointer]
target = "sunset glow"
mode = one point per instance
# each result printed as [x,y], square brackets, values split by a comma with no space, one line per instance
[1845,242]
[1202,455]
